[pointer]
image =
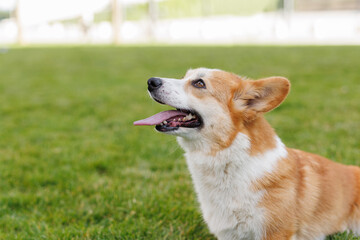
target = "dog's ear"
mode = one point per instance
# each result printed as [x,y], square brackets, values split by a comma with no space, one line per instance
[261,95]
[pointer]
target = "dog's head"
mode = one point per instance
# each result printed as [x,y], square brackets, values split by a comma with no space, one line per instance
[211,103]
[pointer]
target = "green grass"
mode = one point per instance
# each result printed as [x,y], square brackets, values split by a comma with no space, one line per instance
[72,166]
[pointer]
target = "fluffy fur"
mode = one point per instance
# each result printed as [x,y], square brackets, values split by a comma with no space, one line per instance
[249,185]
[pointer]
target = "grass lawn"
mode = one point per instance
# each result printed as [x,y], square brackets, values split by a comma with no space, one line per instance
[72,166]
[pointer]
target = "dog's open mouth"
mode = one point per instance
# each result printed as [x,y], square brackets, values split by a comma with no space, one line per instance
[172,120]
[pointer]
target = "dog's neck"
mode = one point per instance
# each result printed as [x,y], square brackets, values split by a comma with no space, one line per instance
[229,177]
[257,136]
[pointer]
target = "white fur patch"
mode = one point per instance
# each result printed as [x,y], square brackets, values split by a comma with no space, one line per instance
[223,185]
[173,93]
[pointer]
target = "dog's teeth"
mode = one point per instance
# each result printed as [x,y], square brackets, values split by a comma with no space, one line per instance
[179,119]
[184,119]
[165,122]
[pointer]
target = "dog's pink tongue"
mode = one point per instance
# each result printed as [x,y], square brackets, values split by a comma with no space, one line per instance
[159,118]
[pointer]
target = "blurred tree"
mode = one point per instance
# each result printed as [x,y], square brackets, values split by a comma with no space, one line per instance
[4,15]
[199,8]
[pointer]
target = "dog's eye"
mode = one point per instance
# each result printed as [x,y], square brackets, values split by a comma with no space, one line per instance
[198,83]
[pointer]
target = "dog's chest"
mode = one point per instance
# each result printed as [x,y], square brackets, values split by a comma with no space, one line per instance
[228,202]
[225,187]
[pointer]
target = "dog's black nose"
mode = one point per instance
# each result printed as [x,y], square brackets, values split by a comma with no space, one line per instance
[154,83]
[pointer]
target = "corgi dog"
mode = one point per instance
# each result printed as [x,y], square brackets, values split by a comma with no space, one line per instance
[248,183]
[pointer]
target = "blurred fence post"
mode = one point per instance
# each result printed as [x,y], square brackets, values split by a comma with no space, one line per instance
[116,20]
[20,40]
[288,8]
[152,11]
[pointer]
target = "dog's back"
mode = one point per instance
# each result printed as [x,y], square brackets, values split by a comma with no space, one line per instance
[310,197]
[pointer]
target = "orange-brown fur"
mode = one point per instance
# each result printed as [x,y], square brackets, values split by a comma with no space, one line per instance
[261,136]
[310,192]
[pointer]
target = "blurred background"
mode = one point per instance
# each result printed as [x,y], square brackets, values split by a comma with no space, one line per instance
[180,21]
